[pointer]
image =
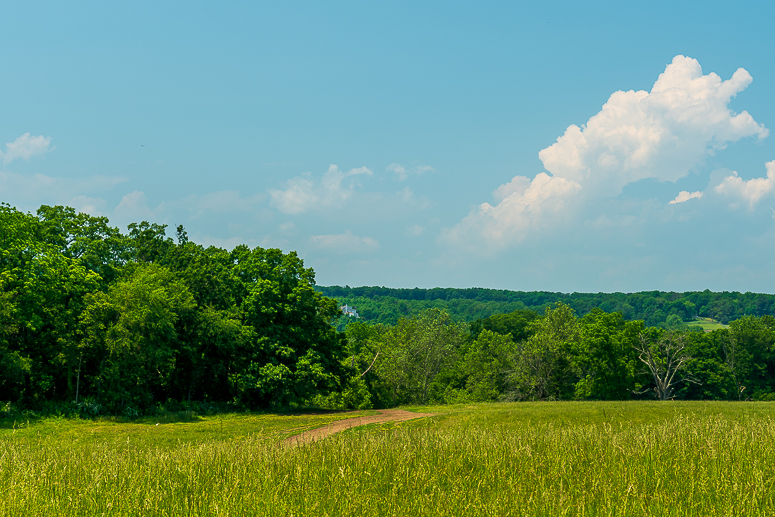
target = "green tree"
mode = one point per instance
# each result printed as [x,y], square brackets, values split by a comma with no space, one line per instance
[487,362]
[43,293]
[709,365]
[134,330]
[516,324]
[98,246]
[542,364]
[413,353]
[749,354]
[603,357]
[295,352]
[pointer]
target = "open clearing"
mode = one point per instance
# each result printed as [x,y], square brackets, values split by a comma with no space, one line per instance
[559,458]
[707,324]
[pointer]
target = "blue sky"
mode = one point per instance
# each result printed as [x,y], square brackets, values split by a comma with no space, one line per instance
[550,146]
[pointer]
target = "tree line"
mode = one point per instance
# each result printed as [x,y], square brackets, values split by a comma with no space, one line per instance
[557,355]
[102,321]
[655,308]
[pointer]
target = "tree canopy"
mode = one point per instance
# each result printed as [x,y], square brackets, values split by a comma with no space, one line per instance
[132,320]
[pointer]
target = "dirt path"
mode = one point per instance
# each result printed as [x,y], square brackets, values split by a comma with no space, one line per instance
[385,415]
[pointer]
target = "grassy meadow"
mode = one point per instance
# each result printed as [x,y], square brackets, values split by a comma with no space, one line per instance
[708,324]
[553,458]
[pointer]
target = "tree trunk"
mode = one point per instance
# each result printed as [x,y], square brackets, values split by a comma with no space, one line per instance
[78,380]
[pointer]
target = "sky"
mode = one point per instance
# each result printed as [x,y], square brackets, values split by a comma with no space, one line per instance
[560,146]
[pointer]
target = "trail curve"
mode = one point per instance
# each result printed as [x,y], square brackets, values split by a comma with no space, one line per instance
[385,415]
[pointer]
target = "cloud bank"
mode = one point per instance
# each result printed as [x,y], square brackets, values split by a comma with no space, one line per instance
[663,135]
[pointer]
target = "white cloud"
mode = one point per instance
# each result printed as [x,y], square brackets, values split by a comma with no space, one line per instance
[220,202]
[415,230]
[684,196]
[28,192]
[402,172]
[750,191]
[344,242]
[662,134]
[25,147]
[305,193]
[89,205]
[527,205]
[406,194]
[133,207]
[399,169]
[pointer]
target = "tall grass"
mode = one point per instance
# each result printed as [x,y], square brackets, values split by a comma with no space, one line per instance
[688,464]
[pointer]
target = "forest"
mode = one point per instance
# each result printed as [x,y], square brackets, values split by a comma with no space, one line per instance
[123,322]
[655,308]
[98,321]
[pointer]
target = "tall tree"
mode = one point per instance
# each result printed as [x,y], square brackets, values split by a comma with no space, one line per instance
[43,290]
[134,330]
[486,363]
[413,353]
[295,352]
[667,359]
[603,358]
[542,365]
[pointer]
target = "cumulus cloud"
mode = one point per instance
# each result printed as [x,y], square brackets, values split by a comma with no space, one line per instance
[749,191]
[662,134]
[305,193]
[524,205]
[25,147]
[684,196]
[344,242]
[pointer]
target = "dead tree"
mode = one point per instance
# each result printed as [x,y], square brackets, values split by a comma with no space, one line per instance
[666,360]
[731,348]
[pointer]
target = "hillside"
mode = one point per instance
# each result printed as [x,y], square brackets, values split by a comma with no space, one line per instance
[655,308]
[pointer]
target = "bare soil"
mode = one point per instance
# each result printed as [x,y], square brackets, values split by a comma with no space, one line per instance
[385,415]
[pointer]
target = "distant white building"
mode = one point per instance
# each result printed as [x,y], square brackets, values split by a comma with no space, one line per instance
[349,311]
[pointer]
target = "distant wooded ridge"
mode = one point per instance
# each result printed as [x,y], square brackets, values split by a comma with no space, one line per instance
[655,308]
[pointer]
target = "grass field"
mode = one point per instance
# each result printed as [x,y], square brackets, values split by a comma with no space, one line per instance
[563,458]
[707,324]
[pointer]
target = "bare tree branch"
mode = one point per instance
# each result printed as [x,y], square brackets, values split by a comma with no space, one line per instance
[666,360]
[372,364]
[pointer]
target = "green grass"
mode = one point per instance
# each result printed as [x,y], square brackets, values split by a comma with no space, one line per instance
[564,458]
[170,431]
[707,324]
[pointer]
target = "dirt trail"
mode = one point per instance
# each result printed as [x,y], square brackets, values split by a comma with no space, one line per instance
[386,415]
